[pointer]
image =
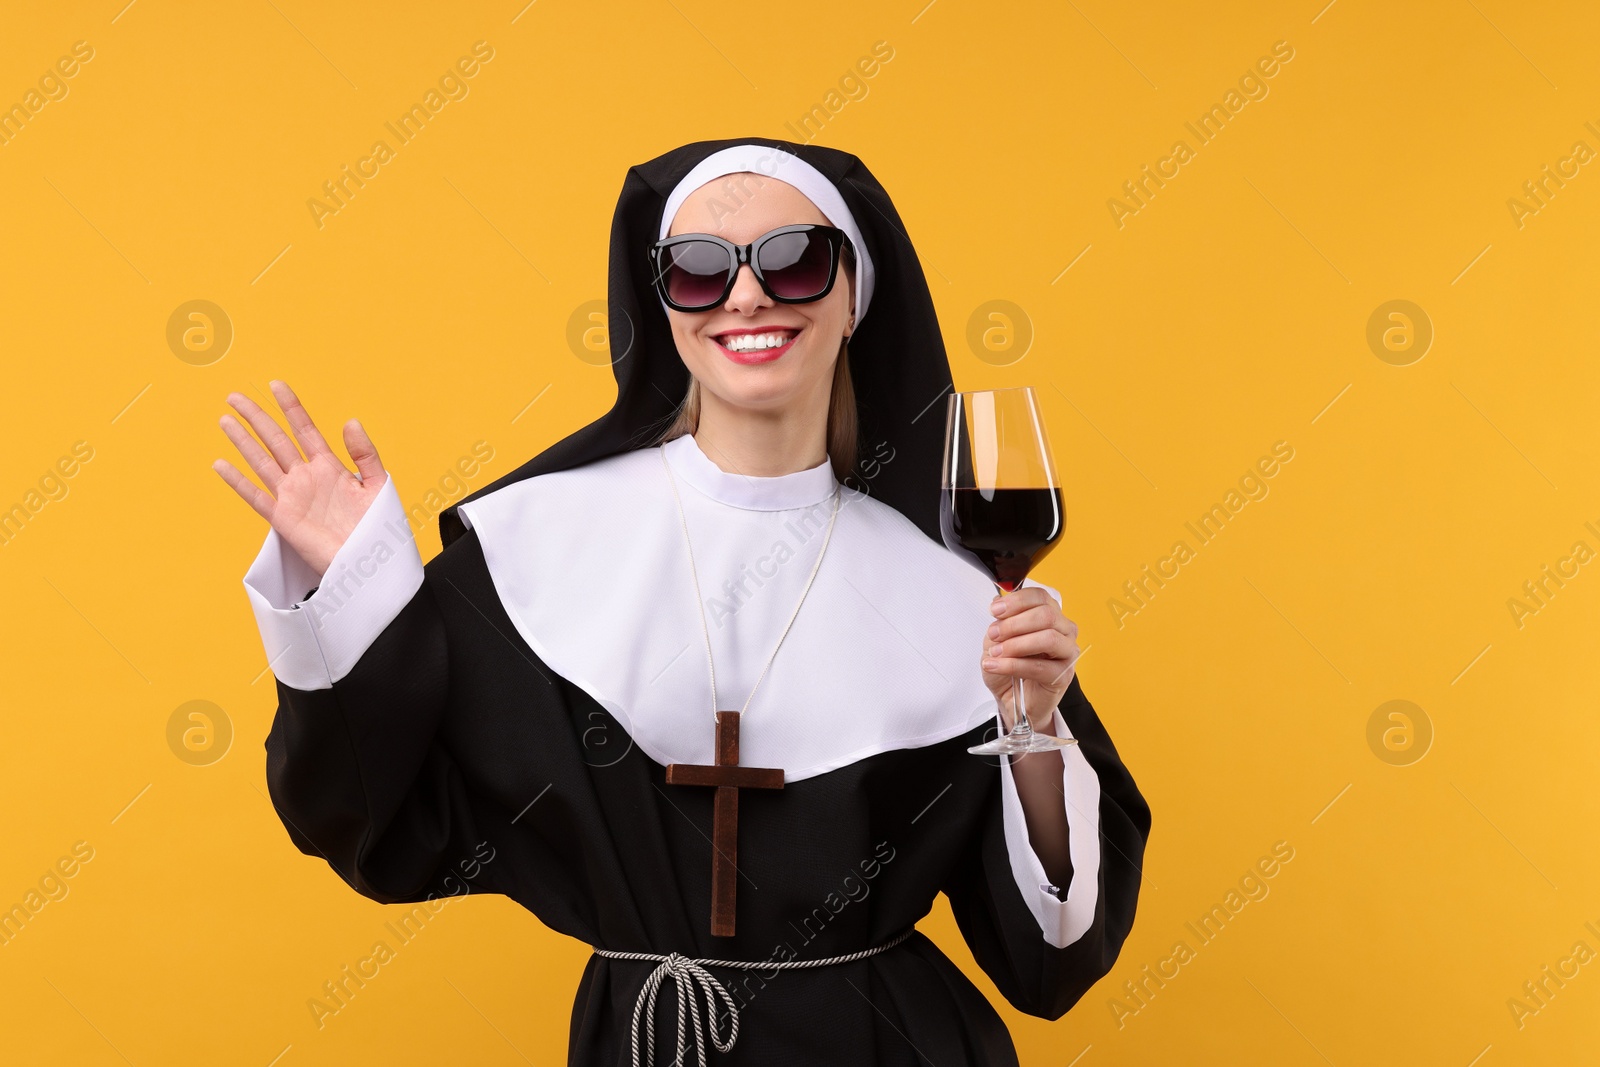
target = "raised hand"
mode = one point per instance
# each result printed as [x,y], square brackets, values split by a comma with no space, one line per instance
[312,499]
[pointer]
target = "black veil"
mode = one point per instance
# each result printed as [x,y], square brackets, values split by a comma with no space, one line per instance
[897,357]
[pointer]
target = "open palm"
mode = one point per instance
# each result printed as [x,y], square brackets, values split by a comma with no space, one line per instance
[312,499]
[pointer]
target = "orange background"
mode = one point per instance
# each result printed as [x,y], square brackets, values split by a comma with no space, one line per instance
[1437,860]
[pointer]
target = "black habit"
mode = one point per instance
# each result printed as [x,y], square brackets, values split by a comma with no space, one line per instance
[449,732]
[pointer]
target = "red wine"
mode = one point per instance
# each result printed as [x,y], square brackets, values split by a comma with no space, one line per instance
[1002,532]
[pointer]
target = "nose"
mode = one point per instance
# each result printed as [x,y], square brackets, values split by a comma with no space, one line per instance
[747,294]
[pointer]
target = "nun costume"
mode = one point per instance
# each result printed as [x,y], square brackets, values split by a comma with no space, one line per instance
[539,692]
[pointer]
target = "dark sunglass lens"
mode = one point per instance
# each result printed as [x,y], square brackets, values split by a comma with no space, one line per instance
[796,264]
[696,272]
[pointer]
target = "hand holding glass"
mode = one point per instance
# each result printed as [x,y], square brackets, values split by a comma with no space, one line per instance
[1000,510]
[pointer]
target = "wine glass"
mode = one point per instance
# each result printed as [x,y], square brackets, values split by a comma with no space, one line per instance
[1000,510]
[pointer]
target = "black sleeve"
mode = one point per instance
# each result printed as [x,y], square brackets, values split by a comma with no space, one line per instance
[1006,940]
[357,772]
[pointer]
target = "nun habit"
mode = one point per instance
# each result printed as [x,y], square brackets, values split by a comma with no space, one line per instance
[499,719]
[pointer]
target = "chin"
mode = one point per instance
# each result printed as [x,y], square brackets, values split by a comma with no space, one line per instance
[769,385]
[757,388]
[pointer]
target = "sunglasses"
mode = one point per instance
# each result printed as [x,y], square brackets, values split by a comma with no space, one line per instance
[794,264]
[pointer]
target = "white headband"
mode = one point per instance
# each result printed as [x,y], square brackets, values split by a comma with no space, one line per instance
[791,169]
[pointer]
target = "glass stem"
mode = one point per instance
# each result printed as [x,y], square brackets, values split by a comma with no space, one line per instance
[1020,726]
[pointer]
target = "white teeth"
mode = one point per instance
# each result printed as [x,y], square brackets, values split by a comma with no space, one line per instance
[747,342]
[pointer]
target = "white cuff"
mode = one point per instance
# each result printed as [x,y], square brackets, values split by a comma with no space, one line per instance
[1061,922]
[311,644]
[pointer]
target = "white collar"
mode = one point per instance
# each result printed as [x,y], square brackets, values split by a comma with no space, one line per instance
[883,656]
[783,492]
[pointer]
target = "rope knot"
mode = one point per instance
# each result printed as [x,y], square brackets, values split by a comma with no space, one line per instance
[693,984]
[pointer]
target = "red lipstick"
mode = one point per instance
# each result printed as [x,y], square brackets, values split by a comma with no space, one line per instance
[758,355]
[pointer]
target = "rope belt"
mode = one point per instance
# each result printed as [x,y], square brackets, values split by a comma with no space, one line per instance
[692,982]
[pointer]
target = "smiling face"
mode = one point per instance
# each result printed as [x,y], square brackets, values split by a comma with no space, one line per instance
[729,349]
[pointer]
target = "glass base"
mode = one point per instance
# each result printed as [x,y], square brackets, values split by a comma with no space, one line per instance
[1012,744]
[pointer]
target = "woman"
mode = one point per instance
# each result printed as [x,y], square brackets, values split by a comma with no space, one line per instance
[553,689]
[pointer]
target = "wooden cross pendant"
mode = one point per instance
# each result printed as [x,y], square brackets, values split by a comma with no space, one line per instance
[728,778]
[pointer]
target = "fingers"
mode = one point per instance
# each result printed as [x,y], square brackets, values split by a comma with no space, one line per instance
[306,433]
[362,452]
[252,494]
[1051,673]
[265,466]
[1050,643]
[1017,602]
[267,428]
[1031,640]
[1045,616]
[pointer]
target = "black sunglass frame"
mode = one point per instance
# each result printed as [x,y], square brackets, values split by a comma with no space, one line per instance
[739,255]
